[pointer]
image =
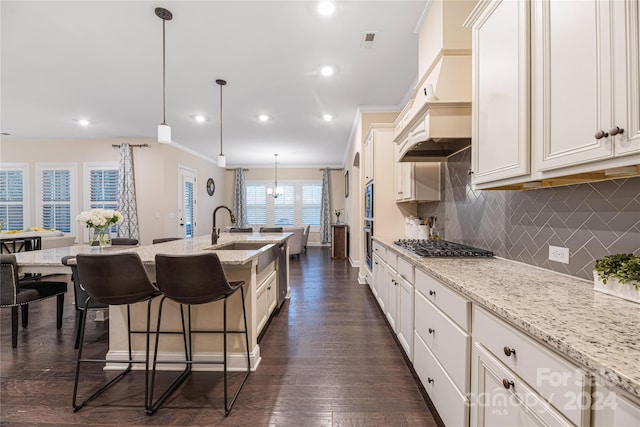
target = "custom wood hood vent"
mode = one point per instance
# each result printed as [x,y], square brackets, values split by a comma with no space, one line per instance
[437,123]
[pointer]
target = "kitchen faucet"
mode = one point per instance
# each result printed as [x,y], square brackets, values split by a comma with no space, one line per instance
[216,233]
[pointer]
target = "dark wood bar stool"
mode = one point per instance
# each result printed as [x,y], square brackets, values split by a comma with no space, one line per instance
[192,280]
[113,279]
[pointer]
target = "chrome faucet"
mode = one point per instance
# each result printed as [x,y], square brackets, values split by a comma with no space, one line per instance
[216,233]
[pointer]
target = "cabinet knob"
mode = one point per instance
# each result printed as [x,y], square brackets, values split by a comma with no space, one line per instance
[507,384]
[376,263]
[430,380]
[432,293]
[431,331]
[601,134]
[615,131]
[509,351]
[469,172]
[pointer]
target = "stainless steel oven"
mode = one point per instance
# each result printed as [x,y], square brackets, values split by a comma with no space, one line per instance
[368,247]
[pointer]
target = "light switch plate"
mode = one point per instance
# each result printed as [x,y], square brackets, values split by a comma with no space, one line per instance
[558,254]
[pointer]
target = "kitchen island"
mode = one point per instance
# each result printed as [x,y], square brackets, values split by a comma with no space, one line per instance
[250,257]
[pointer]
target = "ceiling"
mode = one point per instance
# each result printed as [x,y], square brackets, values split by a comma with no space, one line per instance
[62,61]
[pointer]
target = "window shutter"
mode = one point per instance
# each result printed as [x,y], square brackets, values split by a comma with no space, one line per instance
[56,199]
[284,206]
[311,200]
[256,204]
[12,199]
[188,208]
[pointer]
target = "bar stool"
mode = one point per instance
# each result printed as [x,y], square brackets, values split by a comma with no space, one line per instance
[192,280]
[113,279]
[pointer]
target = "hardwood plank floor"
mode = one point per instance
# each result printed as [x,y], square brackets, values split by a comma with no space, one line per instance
[328,360]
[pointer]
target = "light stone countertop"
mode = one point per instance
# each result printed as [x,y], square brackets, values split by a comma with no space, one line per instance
[596,331]
[50,258]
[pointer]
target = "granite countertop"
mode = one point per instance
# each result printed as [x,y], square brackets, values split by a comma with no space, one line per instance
[52,257]
[594,330]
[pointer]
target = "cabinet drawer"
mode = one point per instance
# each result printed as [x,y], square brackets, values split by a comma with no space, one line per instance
[548,374]
[500,398]
[405,270]
[392,260]
[448,301]
[626,413]
[379,249]
[445,339]
[452,406]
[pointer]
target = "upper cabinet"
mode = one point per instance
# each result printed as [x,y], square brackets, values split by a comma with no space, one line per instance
[581,120]
[500,126]
[368,158]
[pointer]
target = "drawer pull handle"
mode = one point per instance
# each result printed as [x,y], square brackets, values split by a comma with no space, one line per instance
[601,134]
[430,380]
[509,351]
[432,292]
[507,384]
[615,131]
[431,331]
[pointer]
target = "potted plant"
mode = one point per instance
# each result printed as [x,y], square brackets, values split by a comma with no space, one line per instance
[618,275]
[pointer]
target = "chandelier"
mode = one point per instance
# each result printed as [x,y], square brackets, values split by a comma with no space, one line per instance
[276,191]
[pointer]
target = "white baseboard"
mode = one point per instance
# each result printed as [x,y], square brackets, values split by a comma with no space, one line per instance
[235,361]
[319,244]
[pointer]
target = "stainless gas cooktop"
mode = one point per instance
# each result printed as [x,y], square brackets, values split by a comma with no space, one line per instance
[441,248]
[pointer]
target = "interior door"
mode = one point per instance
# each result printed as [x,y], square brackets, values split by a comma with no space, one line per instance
[187,203]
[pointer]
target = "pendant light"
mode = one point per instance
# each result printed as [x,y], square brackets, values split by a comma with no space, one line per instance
[222,162]
[164,130]
[276,191]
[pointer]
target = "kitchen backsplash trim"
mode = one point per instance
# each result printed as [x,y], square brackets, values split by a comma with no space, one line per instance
[592,220]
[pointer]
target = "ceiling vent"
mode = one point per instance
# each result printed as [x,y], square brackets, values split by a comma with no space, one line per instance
[367,40]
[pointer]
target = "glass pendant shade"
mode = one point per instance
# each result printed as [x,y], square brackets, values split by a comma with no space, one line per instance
[164,134]
[222,161]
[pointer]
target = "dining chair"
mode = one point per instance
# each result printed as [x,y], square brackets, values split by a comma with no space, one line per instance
[165,239]
[15,293]
[271,229]
[113,279]
[124,241]
[194,280]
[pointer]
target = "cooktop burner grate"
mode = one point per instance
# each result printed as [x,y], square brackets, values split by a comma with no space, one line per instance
[441,248]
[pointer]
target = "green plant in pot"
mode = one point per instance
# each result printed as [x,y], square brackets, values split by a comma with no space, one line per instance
[618,275]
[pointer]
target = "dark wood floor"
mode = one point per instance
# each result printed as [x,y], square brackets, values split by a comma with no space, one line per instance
[328,360]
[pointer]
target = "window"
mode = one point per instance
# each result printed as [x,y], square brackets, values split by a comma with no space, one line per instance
[13,188]
[101,187]
[56,190]
[299,204]
[311,199]
[256,204]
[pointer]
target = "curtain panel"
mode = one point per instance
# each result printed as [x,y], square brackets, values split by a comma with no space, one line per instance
[127,194]
[240,199]
[325,209]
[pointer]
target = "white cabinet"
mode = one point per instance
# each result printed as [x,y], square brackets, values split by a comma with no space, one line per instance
[500,131]
[501,399]
[266,299]
[613,407]
[416,182]
[368,158]
[404,325]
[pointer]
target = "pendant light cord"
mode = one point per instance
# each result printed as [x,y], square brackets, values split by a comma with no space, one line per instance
[221,120]
[164,108]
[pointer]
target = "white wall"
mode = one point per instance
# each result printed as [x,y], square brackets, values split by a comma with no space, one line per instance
[156,173]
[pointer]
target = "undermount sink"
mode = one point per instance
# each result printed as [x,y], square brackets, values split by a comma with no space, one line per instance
[240,246]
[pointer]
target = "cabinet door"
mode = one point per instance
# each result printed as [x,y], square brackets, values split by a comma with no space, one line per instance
[627,77]
[368,158]
[500,147]
[499,398]
[408,186]
[392,299]
[405,316]
[571,82]
[377,267]
[399,181]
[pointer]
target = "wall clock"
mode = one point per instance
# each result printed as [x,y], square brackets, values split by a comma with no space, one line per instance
[211,187]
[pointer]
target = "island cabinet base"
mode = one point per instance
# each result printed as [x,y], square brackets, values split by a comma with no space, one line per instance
[203,317]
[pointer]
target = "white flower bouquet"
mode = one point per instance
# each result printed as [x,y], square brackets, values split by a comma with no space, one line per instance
[99,221]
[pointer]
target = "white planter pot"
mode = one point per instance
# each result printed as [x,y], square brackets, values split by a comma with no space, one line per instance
[615,288]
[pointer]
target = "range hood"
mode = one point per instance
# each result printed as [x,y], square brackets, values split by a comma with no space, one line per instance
[437,123]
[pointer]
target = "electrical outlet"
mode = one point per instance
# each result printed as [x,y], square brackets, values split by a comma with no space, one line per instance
[558,254]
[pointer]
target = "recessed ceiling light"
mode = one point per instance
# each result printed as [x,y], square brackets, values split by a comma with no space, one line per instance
[263,117]
[200,119]
[84,122]
[327,117]
[327,71]
[326,8]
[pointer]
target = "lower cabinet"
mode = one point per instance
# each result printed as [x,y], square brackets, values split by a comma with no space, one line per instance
[266,299]
[404,325]
[500,398]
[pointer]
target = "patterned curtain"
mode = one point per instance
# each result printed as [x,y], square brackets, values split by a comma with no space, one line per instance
[240,199]
[325,209]
[127,194]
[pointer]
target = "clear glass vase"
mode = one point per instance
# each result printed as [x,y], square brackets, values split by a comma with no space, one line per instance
[100,237]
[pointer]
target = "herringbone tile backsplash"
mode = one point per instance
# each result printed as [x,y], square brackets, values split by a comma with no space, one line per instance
[592,220]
